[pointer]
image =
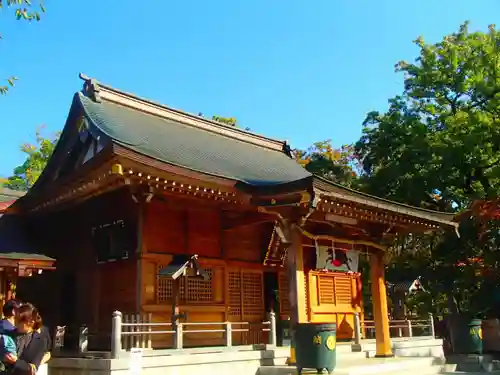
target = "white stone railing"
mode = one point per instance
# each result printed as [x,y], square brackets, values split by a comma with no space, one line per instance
[402,328]
[135,332]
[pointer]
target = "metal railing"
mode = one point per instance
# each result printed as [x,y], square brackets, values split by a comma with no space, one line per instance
[135,331]
[403,328]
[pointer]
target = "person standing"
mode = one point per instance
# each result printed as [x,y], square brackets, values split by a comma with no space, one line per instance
[8,324]
[31,342]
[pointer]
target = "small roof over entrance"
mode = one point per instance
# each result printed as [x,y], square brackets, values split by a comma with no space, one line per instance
[181,264]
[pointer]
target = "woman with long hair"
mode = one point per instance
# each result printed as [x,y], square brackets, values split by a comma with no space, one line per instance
[32,341]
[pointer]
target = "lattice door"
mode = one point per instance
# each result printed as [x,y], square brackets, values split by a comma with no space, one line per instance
[253,295]
[284,294]
[234,295]
[246,303]
[252,286]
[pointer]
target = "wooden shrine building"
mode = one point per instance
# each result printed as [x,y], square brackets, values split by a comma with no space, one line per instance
[18,260]
[133,183]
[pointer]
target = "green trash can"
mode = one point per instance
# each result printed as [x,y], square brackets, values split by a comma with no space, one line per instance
[475,337]
[315,346]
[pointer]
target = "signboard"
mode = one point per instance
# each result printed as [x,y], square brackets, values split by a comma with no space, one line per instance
[135,365]
[337,259]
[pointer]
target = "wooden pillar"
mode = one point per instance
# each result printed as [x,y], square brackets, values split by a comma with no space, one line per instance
[379,299]
[296,277]
[141,212]
[296,280]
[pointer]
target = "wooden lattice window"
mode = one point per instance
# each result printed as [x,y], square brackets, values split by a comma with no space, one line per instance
[234,281]
[191,289]
[335,290]
[163,287]
[200,290]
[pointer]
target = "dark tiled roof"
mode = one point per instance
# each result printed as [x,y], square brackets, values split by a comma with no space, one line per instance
[14,243]
[326,188]
[191,147]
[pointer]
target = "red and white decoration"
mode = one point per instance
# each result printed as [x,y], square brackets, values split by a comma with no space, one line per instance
[337,258]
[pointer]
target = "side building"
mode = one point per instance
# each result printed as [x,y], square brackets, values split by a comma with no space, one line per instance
[18,258]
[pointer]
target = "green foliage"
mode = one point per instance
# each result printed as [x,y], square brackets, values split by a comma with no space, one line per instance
[37,156]
[438,147]
[24,10]
[337,165]
[438,144]
[231,121]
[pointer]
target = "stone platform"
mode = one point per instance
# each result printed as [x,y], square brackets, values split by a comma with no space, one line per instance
[415,358]
[351,362]
[406,347]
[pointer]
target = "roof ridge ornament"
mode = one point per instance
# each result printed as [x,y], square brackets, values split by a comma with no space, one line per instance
[91,88]
[287,150]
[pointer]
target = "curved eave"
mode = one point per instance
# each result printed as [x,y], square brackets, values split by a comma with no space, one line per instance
[327,190]
[259,186]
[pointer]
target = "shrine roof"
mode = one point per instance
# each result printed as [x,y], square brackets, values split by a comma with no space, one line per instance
[326,189]
[187,141]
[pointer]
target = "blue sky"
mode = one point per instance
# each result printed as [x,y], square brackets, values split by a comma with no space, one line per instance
[296,70]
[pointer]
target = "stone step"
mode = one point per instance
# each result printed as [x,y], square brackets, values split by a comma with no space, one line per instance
[414,347]
[470,373]
[371,366]
[473,364]
[344,347]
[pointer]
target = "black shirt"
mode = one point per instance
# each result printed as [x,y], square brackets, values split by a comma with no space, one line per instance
[31,349]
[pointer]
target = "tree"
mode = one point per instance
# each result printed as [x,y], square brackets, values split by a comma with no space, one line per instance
[37,156]
[338,165]
[439,142]
[438,146]
[26,10]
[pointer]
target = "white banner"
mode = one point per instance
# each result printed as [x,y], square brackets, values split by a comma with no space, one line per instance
[336,259]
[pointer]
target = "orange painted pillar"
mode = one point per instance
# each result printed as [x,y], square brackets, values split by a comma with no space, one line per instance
[379,300]
[296,279]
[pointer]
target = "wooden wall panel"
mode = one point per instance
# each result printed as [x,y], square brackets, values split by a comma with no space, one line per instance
[334,298]
[149,270]
[118,290]
[236,294]
[244,243]
[164,229]
[204,233]
[67,236]
[309,254]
